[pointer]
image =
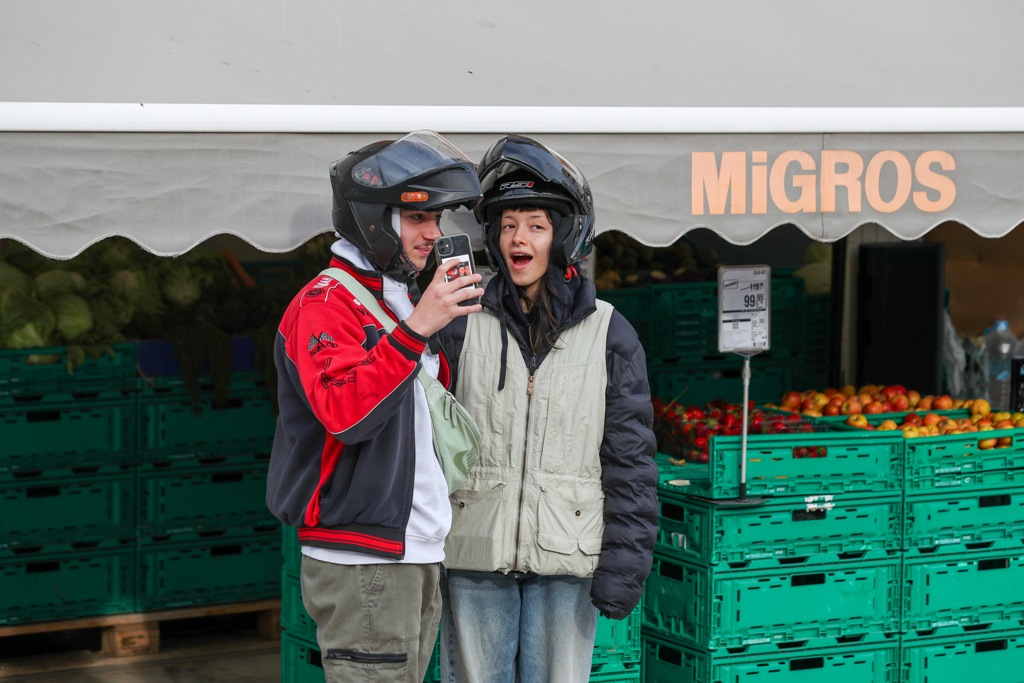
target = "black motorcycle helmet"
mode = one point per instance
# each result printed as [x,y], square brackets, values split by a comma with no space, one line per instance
[420,171]
[519,171]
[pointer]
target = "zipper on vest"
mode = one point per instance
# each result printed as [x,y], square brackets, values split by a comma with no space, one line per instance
[522,481]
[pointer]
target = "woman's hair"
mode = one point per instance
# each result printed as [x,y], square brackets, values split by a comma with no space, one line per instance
[541,313]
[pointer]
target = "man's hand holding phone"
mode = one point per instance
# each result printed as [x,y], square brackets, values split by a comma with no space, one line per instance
[454,254]
[452,292]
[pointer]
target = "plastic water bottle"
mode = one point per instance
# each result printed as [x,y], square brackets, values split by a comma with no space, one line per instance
[1000,345]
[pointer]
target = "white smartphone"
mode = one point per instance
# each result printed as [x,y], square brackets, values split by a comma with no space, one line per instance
[456,246]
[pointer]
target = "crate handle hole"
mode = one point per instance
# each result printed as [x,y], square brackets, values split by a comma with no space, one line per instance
[805,663]
[994,563]
[808,579]
[990,645]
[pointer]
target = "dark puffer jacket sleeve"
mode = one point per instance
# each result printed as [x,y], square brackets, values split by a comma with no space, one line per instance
[629,477]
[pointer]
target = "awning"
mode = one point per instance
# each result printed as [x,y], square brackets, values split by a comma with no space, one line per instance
[170,123]
[60,192]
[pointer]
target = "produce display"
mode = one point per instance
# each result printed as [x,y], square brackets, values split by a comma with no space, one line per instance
[115,291]
[869,399]
[911,413]
[683,431]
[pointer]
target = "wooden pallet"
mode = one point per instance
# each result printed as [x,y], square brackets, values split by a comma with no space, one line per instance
[139,634]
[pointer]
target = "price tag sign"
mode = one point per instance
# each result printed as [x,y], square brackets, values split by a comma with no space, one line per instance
[744,309]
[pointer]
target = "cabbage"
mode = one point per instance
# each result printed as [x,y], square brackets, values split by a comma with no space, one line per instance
[24,322]
[29,336]
[13,277]
[73,316]
[110,314]
[138,288]
[117,252]
[50,283]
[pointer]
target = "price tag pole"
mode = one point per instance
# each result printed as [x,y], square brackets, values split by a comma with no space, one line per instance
[744,328]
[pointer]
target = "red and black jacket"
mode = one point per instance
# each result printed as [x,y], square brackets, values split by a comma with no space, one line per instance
[343,459]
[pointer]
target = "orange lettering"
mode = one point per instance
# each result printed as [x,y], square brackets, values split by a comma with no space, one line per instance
[831,178]
[805,182]
[759,182]
[935,181]
[872,181]
[706,178]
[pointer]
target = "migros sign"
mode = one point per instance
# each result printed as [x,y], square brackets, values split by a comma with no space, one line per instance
[794,181]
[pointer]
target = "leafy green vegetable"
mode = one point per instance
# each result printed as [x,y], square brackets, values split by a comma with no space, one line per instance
[24,322]
[56,281]
[11,276]
[73,316]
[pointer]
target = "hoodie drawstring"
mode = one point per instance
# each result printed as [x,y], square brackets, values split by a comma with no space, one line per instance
[504,352]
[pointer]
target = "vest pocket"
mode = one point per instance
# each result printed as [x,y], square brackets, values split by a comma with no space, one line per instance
[570,523]
[474,541]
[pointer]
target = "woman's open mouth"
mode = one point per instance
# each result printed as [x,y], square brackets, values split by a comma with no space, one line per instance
[520,260]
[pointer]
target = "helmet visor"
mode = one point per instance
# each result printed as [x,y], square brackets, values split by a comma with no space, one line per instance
[413,155]
[518,153]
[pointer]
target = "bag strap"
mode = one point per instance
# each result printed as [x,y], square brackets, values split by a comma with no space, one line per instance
[367,299]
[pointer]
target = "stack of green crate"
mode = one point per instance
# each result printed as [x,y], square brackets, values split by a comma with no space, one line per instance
[813,369]
[678,326]
[205,535]
[617,646]
[126,495]
[963,560]
[797,579]
[67,533]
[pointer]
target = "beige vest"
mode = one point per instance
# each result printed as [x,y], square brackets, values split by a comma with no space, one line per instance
[534,501]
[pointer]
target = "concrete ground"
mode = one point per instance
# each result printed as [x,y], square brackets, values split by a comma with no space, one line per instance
[212,650]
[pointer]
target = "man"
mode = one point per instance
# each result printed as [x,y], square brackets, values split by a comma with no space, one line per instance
[353,465]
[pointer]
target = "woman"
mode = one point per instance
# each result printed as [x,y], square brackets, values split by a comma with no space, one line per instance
[557,520]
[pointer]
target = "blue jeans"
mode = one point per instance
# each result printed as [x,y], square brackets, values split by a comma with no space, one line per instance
[501,629]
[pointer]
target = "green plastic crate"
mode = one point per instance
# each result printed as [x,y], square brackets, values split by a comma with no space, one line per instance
[696,383]
[56,506]
[291,550]
[720,607]
[210,496]
[954,520]
[300,660]
[930,461]
[812,463]
[965,589]
[957,460]
[630,675]
[49,434]
[172,426]
[617,648]
[986,479]
[684,321]
[208,568]
[635,306]
[294,617]
[45,371]
[874,659]
[819,528]
[67,581]
[987,655]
